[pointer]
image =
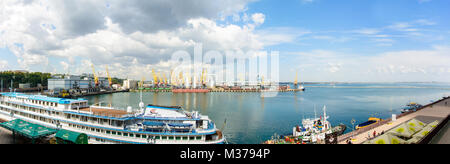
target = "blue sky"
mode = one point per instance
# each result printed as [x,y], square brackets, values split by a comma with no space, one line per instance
[324,40]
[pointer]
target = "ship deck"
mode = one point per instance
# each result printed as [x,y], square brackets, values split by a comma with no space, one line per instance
[105,112]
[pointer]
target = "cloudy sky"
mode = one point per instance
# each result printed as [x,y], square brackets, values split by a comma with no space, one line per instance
[324,40]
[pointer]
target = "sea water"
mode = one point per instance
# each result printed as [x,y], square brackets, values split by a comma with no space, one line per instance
[252,119]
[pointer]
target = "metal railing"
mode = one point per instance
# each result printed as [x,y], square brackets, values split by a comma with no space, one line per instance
[363,130]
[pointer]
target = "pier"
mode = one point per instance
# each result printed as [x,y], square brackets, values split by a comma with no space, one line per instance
[217,90]
[77,95]
[439,110]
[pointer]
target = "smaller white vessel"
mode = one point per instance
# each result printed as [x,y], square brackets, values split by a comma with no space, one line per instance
[313,130]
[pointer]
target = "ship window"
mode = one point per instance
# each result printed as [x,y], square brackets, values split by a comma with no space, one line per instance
[108,132]
[157,137]
[131,135]
[113,132]
[125,134]
[119,133]
[171,138]
[177,138]
[185,138]
[198,137]
[164,137]
[138,136]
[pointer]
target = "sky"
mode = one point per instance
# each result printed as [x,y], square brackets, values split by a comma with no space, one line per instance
[322,40]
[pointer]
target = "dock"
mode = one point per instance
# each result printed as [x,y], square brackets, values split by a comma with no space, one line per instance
[71,95]
[219,90]
[439,110]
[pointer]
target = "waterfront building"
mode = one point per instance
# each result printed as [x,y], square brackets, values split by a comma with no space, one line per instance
[24,85]
[130,84]
[75,82]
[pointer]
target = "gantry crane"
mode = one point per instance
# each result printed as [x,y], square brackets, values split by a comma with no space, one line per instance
[296,79]
[155,78]
[95,76]
[109,77]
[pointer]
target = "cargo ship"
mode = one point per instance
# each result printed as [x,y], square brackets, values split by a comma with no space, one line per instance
[149,124]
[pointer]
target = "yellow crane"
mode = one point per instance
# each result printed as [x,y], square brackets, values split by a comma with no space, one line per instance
[262,80]
[141,84]
[164,79]
[204,76]
[296,78]
[95,76]
[173,81]
[160,78]
[155,78]
[109,77]
[181,77]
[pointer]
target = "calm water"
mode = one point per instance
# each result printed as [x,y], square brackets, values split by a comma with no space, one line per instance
[252,119]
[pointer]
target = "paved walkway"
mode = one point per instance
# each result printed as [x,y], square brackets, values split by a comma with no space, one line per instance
[5,136]
[437,112]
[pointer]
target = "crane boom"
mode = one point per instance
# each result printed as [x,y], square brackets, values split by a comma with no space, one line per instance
[109,77]
[155,78]
[95,76]
[181,77]
[296,78]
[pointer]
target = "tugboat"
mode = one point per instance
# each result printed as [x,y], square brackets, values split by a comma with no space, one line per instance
[411,107]
[314,130]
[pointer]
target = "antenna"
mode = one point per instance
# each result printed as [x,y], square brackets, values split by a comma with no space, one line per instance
[141,104]
[315,115]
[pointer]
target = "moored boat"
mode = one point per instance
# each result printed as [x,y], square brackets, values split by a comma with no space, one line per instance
[313,130]
[371,121]
[149,124]
[411,107]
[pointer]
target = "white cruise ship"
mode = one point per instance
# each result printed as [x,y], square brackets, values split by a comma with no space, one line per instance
[149,124]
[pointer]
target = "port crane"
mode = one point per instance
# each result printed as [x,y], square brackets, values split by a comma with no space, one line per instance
[109,77]
[155,78]
[164,79]
[182,79]
[296,79]
[95,76]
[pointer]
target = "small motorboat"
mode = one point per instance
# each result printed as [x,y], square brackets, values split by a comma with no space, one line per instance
[411,107]
[371,121]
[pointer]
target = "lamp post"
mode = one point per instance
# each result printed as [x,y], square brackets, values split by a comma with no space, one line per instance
[353,126]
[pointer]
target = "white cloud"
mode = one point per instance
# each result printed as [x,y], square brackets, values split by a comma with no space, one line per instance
[3,65]
[307,1]
[409,65]
[423,1]
[116,35]
[258,18]
[65,66]
[367,31]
